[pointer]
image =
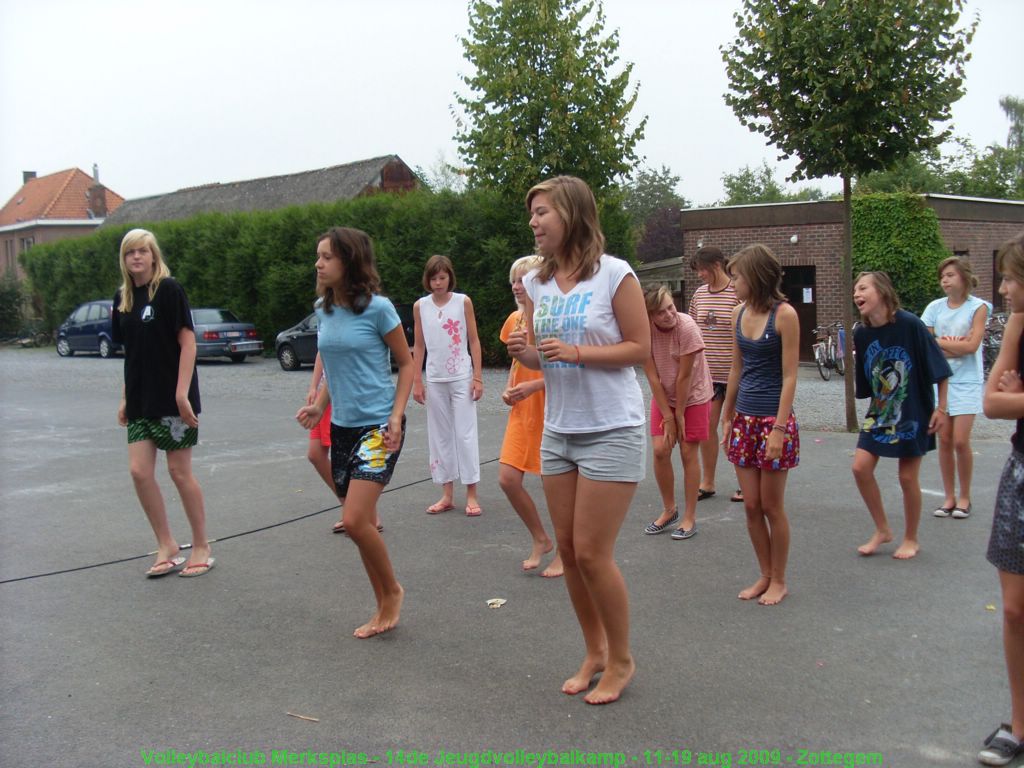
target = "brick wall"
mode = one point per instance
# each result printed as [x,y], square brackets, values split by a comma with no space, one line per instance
[818,245]
[979,241]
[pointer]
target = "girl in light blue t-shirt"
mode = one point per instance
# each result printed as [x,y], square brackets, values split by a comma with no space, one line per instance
[357,330]
[958,324]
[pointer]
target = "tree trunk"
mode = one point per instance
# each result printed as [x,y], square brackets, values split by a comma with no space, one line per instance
[846,294]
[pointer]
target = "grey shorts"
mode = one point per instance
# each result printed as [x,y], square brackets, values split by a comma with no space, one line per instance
[614,455]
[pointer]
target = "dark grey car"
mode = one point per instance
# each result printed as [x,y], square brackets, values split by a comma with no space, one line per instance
[88,329]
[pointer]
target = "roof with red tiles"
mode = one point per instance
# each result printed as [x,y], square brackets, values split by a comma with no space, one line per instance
[61,195]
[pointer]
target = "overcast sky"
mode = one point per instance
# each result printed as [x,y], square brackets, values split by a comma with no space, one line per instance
[167,94]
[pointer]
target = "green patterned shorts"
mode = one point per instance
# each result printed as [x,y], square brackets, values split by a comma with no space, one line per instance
[169,433]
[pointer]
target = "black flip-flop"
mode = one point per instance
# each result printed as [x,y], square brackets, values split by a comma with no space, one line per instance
[702,494]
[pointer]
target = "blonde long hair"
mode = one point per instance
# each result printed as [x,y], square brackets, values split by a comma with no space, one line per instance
[583,246]
[133,239]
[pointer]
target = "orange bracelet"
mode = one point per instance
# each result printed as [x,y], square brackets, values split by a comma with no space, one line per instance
[577,346]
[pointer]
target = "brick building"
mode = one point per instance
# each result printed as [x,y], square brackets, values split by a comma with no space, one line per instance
[46,208]
[808,239]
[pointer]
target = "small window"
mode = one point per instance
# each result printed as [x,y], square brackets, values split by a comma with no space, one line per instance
[80,313]
[94,313]
[104,312]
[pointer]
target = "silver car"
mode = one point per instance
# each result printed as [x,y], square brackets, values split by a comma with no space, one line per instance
[219,333]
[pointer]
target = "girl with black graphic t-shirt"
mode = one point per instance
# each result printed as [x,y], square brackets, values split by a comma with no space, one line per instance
[160,404]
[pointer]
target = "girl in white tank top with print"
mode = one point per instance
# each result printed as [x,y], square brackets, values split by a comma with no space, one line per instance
[445,331]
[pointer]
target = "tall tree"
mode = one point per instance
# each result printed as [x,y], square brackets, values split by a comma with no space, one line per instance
[749,187]
[649,191]
[544,99]
[847,86]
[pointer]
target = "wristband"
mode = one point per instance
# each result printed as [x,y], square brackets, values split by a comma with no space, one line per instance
[940,409]
[779,427]
[478,381]
[577,346]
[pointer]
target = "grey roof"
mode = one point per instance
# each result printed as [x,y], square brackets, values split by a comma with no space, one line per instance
[326,185]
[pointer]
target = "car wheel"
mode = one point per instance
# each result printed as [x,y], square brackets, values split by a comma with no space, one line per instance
[237,358]
[106,350]
[287,358]
[63,348]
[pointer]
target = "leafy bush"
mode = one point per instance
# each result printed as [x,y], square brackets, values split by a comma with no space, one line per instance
[12,298]
[898,234]
[260,265]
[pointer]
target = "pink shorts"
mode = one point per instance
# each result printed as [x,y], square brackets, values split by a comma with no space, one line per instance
[697,418]
[748,442]
[322,431]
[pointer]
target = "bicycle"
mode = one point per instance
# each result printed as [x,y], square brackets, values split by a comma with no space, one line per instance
[828,351]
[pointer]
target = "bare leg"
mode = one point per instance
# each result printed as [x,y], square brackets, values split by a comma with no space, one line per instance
[962,426]
[142,466]
[864,464]
[599,511]
[665,478]
[560,491]
[179,466]
[947,463]
[691,482]
[320,457]
[910,468]
[472,499]
[587,516]
[709,448]
[757,528]
[511,481]
[445,502]
[1012,585]
[773,497]
[360,511]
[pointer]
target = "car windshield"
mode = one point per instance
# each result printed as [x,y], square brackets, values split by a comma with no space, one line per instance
[211,316]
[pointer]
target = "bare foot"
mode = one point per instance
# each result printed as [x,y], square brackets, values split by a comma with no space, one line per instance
[756,589]
[581,680]
[774,594]
[613,681]
[877,539]
[908,549]
[385,619]
[554,569]
[533,561]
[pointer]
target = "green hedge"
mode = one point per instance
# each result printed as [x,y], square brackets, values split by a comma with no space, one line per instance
[260,265]
[899,234]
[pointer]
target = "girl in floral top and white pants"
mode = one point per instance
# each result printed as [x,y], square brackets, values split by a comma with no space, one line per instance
[445,329]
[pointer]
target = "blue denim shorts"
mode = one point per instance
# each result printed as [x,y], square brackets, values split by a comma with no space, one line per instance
[614,455]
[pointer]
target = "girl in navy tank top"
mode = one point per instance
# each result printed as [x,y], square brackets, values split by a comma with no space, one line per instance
[760,431]
[1004,399]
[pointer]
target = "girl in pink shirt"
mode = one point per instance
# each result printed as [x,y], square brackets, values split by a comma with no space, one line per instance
[681,393]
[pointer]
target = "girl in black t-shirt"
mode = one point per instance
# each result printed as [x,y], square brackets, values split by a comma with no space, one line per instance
[160,401]
[898,361]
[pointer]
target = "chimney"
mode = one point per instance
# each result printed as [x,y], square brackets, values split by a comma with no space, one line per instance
[27,176]
[97,196]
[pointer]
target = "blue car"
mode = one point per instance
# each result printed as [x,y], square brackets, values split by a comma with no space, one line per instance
[88,329]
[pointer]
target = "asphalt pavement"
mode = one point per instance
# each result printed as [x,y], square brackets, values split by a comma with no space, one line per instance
[868,661]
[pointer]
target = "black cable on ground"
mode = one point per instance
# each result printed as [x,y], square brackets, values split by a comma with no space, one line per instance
[213,541]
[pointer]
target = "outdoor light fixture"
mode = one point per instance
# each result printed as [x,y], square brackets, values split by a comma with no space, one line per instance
[794,239]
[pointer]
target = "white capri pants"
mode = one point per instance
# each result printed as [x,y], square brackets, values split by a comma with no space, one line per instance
[451,432]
